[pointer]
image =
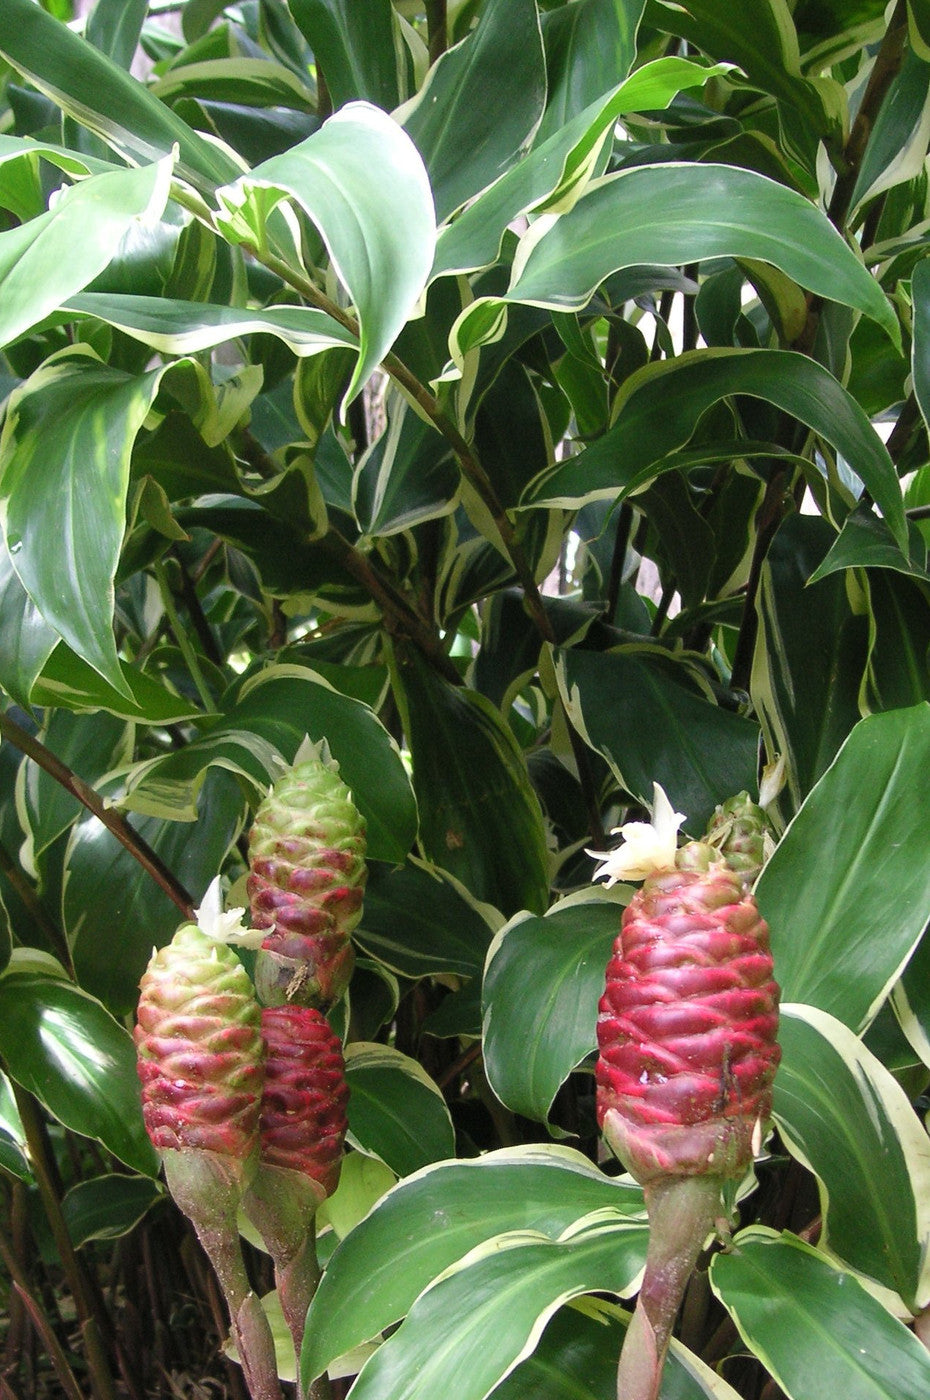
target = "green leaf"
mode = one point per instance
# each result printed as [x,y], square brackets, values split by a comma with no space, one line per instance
[897,145]
[472,1327]
[865,542]
[407,476]
[557,169]
[248,82]
[184,327]
[845,1117]
[396,1111]
[898,673]
[114,26]
[486,97]
[13,1149]
[90,746]
[110,902]
[386,1262]
[588,46]
[814,1326]
[48,259]
[658,214]
[810,630]
[26,640]
[68,681]
[920,354]
[824,913]
[60,1044]
[108,1207]
[64,474]
[542,983]
[100,95]
[479,817]
[641,710]
[659,407]
[768,53]
[576,1359]
[418,924]
[380,235]
[353,41]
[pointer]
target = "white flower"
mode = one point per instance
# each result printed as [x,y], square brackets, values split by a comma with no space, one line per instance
[647,846]
[228,926]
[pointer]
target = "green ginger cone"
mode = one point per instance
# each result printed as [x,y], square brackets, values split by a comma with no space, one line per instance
[687,1044]
[201,1065]
[306,883]
[740,831]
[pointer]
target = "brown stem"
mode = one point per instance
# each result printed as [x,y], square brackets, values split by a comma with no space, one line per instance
[682,1211]
[770,514]
[196,613]
[113,820]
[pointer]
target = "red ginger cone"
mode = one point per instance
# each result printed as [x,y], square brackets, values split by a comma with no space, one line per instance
[306,883]
[687,1037]
[200,1059]
[687,1024]
[303,1126]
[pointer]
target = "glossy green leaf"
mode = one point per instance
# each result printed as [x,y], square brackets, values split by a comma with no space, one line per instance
[588,46]
[67,681]
[354,43]
[658,214]
[407,476]
[90,745]
[542,983]
[62,1045]
[48,259]
[910,999]
[362,1182]
[660,406]
[252,82]
[380,235]
[767,51]
[848,1120]
[108,1207]
[396,1252]
[557,169]
[814,1326]
[486,97]
[284,703]
[809,630]
[479,817]
[897,145]
[416,922]
[898,673]
[865,542]
[644,714]
[576,1359]
[64,474]
[114,26]
[395,1110]
[474,1325]
[920,354]
[26,640]
[13,1149]
[100,95]
[184,327]
[110,902]
[824,914]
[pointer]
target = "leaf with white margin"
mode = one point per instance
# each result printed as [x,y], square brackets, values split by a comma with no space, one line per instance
[380,232]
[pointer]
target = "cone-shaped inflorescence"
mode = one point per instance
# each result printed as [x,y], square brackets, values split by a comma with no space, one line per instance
[740,831]
[687,1038]
[306,882]
[200,1058]
[303,1127]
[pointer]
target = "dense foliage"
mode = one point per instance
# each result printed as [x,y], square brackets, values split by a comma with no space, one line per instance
[530,398]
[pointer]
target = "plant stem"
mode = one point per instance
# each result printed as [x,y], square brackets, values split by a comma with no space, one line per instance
[436,26]
[682,1211]
[113,820]
[40,1322]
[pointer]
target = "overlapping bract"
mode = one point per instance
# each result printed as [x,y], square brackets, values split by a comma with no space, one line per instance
[306,884]
[199,1044]
[687,1024]
[303,1113]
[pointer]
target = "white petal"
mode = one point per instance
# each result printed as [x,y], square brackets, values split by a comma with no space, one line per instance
[647,846]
